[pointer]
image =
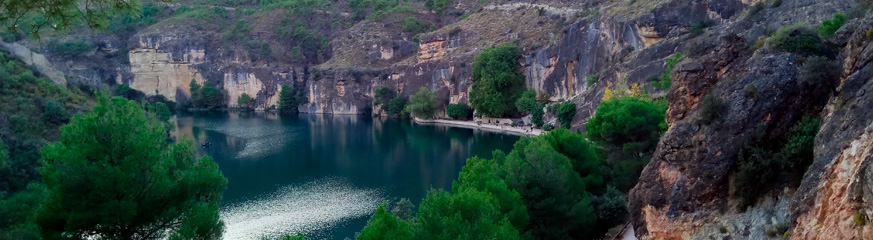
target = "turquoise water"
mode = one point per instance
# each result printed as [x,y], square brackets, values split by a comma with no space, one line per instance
[323,175]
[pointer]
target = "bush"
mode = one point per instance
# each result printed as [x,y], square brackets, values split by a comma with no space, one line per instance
[244,101]
[536,115]
[423,103]
[859,218]
[629,123]
[798,39]
[438,6]
[527,101]
[820,71]
[71,48]
[566,113]
[290,98]
[664,82]
[548,127]
[395,106]
[413,25]
[382,95]
[497,81]
[761,167]
[120,89]
[55,114]
[592,79]
[750,92]
[458,111]
[710,108]
[830,26]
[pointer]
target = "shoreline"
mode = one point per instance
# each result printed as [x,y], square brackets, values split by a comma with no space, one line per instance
[473,125]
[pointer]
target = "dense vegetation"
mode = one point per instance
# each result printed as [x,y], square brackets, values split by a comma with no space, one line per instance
[139,186]
[244,101]
[290,98]
[529,101]
[548,187]
[207,97]
[565,114]
[423,103]
[497,81]
[458,111]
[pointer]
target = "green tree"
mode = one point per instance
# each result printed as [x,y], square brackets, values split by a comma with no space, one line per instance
[423,103]
[468,214]
[290,99]
[555,193]
[395,106]
[163,112]
[458,111]
[527,101]
[17,212]
[565,114]
[120,89]
[34,15]
[831,25]
[210,97]
[384,225]
[195,93]
[55,114]
[629,123]
[403,209]
[112,175]
[536,114]
[299,236]
[382,95]
[497,81]
[244,101]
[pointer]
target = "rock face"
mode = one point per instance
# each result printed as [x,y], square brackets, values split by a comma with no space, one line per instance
[834,199]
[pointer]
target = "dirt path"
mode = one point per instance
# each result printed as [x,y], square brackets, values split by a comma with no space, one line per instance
[522,131]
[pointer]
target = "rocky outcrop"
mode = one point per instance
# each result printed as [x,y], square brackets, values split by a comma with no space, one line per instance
[685,191]
[834,199]
[155,73]
[35,60]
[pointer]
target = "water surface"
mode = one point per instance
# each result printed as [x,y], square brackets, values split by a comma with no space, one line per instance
[323,175]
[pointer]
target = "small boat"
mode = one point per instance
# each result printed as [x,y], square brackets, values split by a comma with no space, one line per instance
[206,144]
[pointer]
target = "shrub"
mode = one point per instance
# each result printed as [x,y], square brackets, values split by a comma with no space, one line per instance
[497,81]
[413,25]
[423,103]
[290,98]
[755,9]
[71,48]
[664,82]
[859,218]
[629,123]
[548,127]
[395,106]
[120,89]
[54,113]
[831,25]
[760,168]
[820,71]
[527,101]
[565,114]
[750,92]
[776,3]
[592,79]
[710,108]
[536,115]
[244,101]
[454,31]
[798,39]
[382,95]
[870,33]
[458,111]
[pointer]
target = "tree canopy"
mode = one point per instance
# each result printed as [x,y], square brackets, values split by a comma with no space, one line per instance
[631,123]
[113,175]
[423,103]
[34,15]
[497,80]
[290,98]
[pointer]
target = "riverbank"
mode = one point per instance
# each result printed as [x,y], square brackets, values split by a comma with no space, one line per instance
[520,131]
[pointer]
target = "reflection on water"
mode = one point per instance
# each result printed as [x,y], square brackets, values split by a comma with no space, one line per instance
[323,174]
[308,208]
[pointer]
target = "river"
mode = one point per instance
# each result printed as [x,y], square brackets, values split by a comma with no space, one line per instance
[323,175]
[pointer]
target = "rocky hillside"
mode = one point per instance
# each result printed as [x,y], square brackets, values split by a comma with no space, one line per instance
[735,93]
